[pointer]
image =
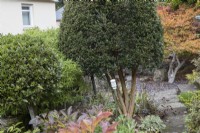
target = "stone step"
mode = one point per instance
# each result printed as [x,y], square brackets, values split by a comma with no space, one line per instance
[166,92]
[186,87]
[175,124]
[172,108]
[166,99]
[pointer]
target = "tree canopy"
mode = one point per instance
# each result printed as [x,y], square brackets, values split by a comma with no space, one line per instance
[180,29]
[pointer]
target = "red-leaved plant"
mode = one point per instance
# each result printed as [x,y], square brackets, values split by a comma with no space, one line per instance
[87,124]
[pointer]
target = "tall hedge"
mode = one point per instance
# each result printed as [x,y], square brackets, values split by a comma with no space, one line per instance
[32,74]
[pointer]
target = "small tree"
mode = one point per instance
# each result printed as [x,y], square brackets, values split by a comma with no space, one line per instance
[181,40]
[108,37]
[33,77]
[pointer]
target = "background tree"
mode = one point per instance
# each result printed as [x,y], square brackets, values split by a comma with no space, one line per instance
[180,34]
[59,4]
[108,37]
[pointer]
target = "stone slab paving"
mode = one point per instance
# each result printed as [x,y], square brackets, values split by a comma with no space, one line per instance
[186,87]
[167,101]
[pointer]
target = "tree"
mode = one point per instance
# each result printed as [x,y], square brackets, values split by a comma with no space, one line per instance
[108,37]
[180,34]
[59,4]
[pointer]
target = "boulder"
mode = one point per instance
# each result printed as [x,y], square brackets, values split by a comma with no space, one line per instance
[5,122]
[145,78]
[197,83]
[160,75]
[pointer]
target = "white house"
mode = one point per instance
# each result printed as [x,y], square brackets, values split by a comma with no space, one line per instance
[18,15]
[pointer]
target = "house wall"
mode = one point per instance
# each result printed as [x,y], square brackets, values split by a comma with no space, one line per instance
[44,15]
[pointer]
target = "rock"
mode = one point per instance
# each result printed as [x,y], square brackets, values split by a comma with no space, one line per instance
[197,83]
[175,124]
[145,78]
[160,75]
[186,87]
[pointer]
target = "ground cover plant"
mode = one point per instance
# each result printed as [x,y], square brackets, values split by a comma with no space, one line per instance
[188,97]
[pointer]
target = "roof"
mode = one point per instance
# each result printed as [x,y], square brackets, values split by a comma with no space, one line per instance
[197,17]
[59,14]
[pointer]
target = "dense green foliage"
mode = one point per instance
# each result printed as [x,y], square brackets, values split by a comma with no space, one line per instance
[107,37]
[32,74]
[82,37]
[188,97]
[194,78]
[50,36]
[175,3]
[193,118]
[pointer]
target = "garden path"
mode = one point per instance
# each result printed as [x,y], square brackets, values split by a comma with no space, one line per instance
[168,103]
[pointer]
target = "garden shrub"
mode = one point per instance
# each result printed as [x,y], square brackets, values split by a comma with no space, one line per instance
[50,36]
[32,74]
[142,103]
[194,78]
[193,118]
[152,123]
[188,97]
[175,4]
[59,122]
[126,125]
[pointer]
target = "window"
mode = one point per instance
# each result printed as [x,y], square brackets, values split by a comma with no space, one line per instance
[27,15]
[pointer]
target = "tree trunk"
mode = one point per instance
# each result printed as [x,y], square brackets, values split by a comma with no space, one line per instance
[124,89]
[125,101]
[173,69]
[114,94]
[32,114]
[132,94]
[93,85]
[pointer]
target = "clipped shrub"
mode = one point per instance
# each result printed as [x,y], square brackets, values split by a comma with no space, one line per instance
[32,74]
[50,36]
[152,123]
[71,84]
[193,118]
